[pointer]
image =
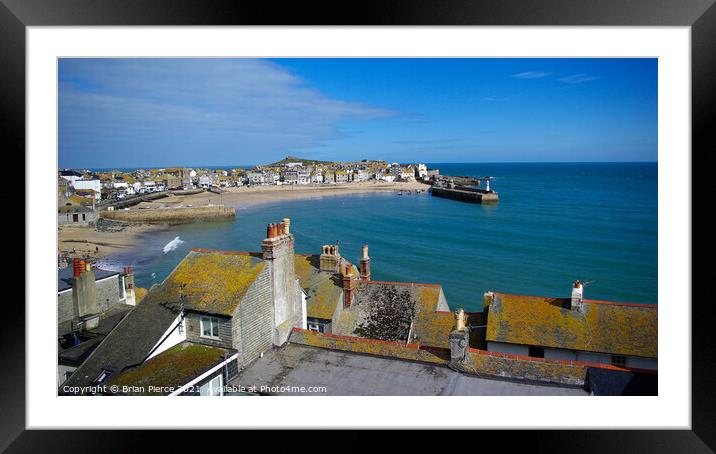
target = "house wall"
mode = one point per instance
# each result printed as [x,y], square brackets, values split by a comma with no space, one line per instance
[66,218]
[171,337]
[108,293]
[512,349]
[571,355]
[253,317]
[193,330]
[228,372]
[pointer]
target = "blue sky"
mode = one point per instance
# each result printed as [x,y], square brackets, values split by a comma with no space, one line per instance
[193,112]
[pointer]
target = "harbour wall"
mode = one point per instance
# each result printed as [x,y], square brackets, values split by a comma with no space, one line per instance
[171,215]
[466,195]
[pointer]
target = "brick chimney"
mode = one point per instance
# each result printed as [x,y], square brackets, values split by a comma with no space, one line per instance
[330,258]
[84,291]
[348,285]
[278,251]
[129,295]
[577,295]
[365,265]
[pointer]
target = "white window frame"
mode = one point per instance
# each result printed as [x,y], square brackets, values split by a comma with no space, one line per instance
[211,388]
[211,327]
[315,327]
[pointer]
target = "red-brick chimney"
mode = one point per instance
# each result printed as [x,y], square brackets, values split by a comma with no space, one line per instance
[348,286]
[365,265]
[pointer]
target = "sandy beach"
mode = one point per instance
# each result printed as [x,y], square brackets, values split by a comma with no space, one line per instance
[243,197]
[84,240]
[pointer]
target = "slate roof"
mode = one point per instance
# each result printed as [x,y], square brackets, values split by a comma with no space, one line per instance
[432,322]
[64,276]
[323,288]
[174,367]
[212,281]
[605,382]
[129,343]
[605,327]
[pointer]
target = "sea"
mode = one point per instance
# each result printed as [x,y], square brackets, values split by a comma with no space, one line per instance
[554,223]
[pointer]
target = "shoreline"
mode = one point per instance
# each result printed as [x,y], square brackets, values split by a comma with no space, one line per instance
[243,197]
[84,240]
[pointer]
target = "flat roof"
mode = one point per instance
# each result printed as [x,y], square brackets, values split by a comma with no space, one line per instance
[64,277]
[346,373]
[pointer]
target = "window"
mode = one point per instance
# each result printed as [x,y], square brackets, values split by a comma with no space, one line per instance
[84,218]
[210,327]
[619,360]
[213,387]
[536,352]
[315,327]
[104,375]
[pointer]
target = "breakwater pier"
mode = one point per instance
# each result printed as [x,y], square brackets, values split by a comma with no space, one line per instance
[465,194]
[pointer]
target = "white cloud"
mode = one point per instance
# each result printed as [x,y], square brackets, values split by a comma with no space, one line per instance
[577,78]
[226,104]
[531,75]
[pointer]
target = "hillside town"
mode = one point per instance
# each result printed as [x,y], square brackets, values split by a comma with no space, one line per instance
[88,187]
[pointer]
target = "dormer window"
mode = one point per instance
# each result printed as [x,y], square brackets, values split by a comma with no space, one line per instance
[210,327]
[104,375]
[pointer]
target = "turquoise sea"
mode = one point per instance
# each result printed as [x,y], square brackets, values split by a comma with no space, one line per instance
[555,223]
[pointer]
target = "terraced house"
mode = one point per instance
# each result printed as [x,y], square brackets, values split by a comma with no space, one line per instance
[224,321]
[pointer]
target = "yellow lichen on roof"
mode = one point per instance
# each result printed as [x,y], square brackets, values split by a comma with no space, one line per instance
[550,322]
[174,367]
[322,288]
[431,327]
[214,282]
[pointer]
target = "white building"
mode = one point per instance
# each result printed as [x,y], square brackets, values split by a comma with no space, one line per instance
[421,171]
[94,185]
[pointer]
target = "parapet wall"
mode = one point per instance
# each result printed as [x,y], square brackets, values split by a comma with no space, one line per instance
[389,349]
[160,215]
[482,362]
[476,362]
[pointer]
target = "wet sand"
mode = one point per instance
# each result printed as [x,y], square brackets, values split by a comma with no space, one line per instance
[82,241]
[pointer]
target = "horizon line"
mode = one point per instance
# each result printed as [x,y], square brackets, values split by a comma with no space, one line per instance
[410,162]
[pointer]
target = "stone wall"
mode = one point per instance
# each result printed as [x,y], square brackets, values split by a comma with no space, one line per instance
[253,320]
[161,215]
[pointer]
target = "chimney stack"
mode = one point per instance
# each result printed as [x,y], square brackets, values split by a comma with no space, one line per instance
[84,291]
[459,340]
[278,251]
[577,295]
[365,265]
[348,285]
[129,295]
[330,258]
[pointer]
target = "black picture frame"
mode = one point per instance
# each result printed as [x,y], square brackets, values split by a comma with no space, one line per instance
[700,15]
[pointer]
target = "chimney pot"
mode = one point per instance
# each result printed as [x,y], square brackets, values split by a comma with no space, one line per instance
[286,226]
[77,267]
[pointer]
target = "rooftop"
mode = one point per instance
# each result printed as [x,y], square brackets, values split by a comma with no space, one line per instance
[323,289]
[348,373]
[174,367]
[606,327]
[64,277]
[211,281]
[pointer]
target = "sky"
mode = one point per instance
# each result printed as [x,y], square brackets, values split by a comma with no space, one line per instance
[217,112]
